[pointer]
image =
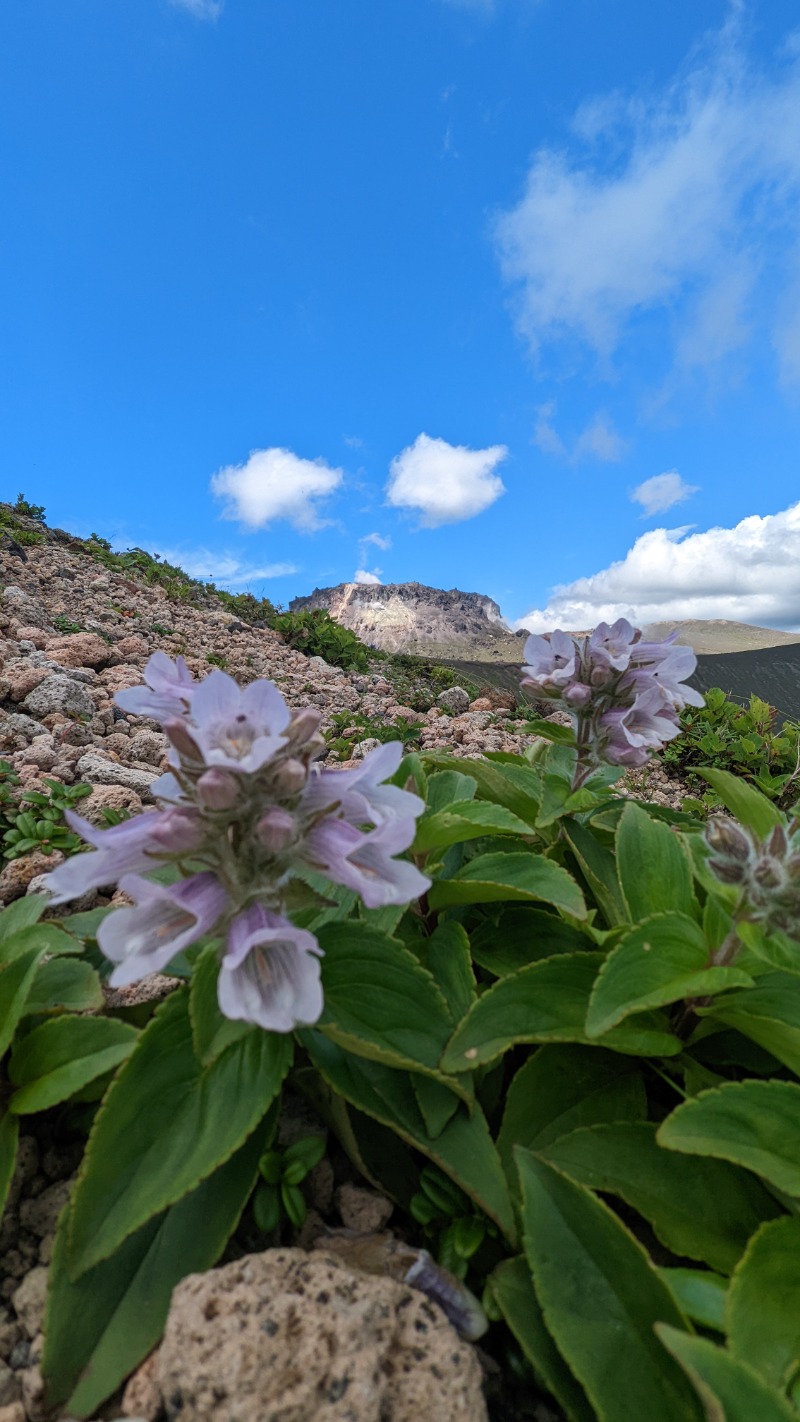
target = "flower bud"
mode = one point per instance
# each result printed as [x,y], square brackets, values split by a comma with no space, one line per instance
[727,871]
[302,726]
[276,829]
[576,695]
[725,837]
[767,874]
[177,831]
[290,777]
[777,844]
[181,738]
[217,789]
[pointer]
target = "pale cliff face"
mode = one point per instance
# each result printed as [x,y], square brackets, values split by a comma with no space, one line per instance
[410,617]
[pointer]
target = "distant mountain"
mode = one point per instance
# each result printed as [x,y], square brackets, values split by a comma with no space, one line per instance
[428,622]
[717,636]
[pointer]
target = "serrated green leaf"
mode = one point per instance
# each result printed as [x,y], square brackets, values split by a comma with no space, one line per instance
[598,865]
[729,1390]
[16,982]
[768,1013]
[601,1298]
[512,1287]
[653,866]
[563,1087]
[211,1031]
[514,876]
[65,984]
[700,1209]
[750,807]
[661,961]
[447,957]
[469,819]
[59,1058]
[763,1306]
[23,913]
[546,1002]
[523,935]
[755,1124]
[700,1295]
[447,787]
[165,1125]
[100,1327]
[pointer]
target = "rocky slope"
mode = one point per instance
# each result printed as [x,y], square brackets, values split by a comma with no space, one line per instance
[410,617]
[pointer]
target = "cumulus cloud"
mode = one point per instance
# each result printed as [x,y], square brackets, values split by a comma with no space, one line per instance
[683,203]
[276,484]
[365,576]
[748,573]
[662,492]
[223,568]
[446,482]
[201,9]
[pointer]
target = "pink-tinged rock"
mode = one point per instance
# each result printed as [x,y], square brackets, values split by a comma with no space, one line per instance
[41,752]
[481,703]
[291,1337]
[134,646]
[32,634]
[80,649]
[111,797]
[22,679]
[18,873]
[119,678]
[142,1396]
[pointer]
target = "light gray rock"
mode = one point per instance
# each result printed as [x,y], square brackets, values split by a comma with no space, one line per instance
[25,608]
[10,1386]
[59,692]
[40,1215]
[362,748]
[29,1300]
[454,700]
[99,771]
[286,1336]
[22,725]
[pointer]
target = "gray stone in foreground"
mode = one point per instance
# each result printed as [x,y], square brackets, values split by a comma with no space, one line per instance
[287,1335]
[454,700]
[59,692]
[99,771]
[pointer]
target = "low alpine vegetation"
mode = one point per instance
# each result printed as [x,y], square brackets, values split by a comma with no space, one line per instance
[562,1028]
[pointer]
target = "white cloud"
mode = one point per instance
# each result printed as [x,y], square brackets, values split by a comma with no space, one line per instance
[748,573]
[223,568]
[662,492]
[201,9]
[685,203]
[276,484]
[379,540]
[364,576]
[598,441]
[446,482]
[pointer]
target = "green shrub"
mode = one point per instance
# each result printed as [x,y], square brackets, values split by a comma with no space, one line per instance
[743,739]
[35,820]
[417,681]
[34,511]
[362,728]
[315,633]
[65,624]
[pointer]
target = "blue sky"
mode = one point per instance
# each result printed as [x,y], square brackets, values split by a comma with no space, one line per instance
[497,294]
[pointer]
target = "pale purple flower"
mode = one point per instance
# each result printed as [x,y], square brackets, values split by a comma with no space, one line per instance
[131,847]
[550,662]
[646,725]
[164,921]
[238,729]
[361,794]
[270,973]
[365,862]
[669,674]
[168,690]
[611,646]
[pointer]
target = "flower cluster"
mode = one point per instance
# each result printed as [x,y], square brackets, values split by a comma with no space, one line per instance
[624,694]
[244,810]
[767,871]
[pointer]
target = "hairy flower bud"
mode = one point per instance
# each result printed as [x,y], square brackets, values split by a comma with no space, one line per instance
[181,739]
[302,726]
[290,777]
[727,871]
[276,829]
[577,695]
[177,831]
[217,789]
[767,873]
[725,837]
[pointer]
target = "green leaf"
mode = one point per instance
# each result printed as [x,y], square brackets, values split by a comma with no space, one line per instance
[699,1209]
[469,819]
[512,1287]
[9,1136]
[41,937]
[437,1103]
[381,1003]
[601,1298]
[65,984]
[700,1295]
[102,1325]
[751,1123]
[729,1390]
[563,1087]
[551,731]
[599,867]
[515,786]
[446,955]
[464,1150]
[546,1002]
[763,1308]
[663,960]
[211,1032]
[55,1060]
[750,807]
[16,981]
[653,866]
[448,787]
[768,1013]
[518,936]
[23,913]
[167,1123]
[491,877]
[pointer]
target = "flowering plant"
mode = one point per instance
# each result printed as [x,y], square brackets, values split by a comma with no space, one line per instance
[558,1028]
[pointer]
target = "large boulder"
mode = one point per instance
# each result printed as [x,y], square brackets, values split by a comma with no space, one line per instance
[59,692]
[287,1336]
